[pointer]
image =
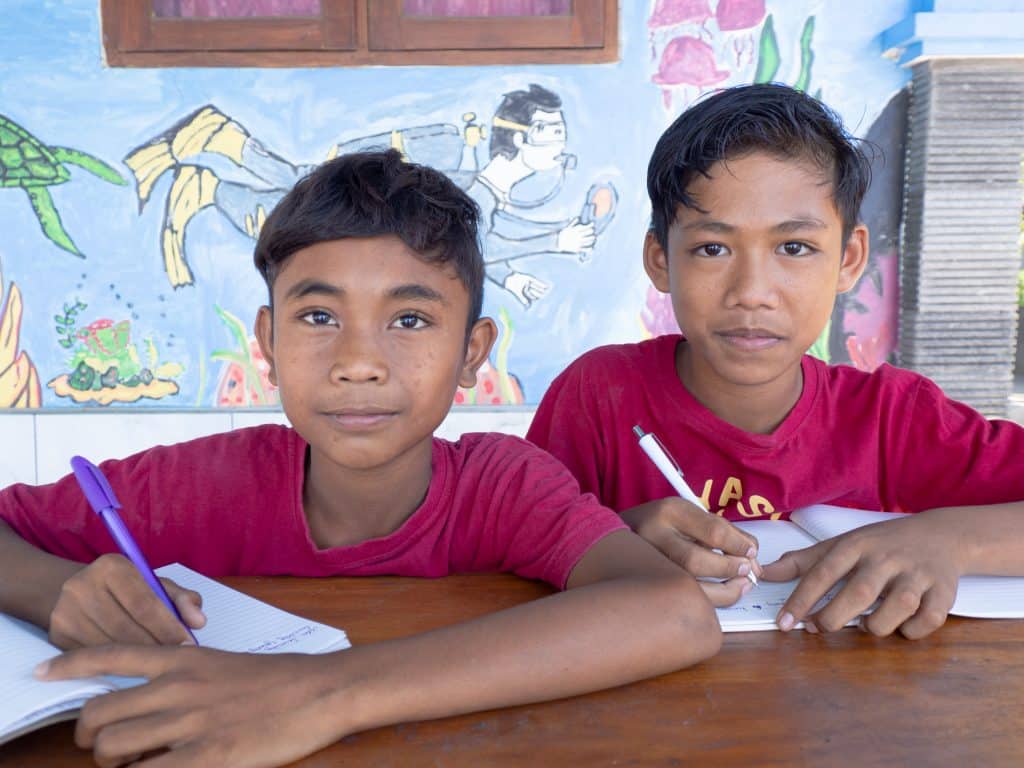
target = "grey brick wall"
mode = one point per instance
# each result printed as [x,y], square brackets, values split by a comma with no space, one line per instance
[961,224]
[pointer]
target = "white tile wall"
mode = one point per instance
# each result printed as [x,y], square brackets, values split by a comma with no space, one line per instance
[37,447]
[112,435]
[17,449]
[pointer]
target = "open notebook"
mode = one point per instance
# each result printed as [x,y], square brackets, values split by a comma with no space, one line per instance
[981,597]
[234,622]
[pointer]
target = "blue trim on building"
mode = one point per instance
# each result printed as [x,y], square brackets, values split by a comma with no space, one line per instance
[956,28]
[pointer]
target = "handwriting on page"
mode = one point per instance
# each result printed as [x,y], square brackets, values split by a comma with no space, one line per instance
[288,638]
[237,622]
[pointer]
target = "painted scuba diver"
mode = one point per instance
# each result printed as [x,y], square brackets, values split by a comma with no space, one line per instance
[526,171]
[526,150]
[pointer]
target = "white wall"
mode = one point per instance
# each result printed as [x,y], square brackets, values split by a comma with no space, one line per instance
[37,447]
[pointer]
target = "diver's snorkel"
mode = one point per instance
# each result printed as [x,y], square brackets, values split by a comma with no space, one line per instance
[541,187]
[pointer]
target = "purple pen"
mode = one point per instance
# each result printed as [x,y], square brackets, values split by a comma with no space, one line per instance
[105,504]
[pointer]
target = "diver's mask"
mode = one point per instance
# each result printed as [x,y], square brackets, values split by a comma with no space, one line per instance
[541,186]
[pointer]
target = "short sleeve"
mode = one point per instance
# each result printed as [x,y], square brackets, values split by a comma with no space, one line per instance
[530,517]
[56,518]
[564,426]
[952,456]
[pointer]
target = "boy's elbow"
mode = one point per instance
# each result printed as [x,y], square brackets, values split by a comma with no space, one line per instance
[693,618]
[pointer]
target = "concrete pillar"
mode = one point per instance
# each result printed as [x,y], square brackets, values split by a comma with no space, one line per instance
[962,196]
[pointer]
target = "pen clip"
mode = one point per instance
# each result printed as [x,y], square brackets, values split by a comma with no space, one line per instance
[94,485]
[668,455]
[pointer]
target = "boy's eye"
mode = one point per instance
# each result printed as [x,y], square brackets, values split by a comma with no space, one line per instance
[410,322]
[796,249]
[711,249]
[318,317]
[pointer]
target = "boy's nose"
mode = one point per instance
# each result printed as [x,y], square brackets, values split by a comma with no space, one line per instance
[357,357]
[753,283]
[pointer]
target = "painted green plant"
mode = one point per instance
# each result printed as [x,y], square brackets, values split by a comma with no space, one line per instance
[769,59]
[67,324]
[505,383]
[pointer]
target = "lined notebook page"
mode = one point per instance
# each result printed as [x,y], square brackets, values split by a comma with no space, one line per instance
[237,622]
[758,608]
[24,699]
[823,521]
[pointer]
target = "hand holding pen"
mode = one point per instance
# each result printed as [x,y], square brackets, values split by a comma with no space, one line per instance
[118,598]
[706,545]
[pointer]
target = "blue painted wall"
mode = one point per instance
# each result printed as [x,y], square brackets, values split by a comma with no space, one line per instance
[55,86]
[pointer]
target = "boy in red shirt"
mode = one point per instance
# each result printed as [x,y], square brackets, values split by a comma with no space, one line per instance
[756,192]
[375,280]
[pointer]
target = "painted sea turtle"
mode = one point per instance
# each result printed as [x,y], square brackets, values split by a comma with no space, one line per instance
[27,163]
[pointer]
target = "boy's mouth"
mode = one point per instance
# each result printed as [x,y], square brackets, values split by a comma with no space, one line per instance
[361,418]
[750,339]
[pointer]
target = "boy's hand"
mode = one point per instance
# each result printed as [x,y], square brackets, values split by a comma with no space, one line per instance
[909,564]
[209,707]
[687,535]
[109,601]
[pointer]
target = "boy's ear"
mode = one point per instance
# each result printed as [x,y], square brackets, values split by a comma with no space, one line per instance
[481,339]
[855,259]
[656,262]
[265,338]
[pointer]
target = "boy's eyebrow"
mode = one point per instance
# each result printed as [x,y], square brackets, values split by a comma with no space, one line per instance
[416,291]
[310,286]
[806,222]
[790,225]
[406,291]
[709,225]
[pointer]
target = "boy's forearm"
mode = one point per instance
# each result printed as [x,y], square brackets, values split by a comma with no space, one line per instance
[586,639]
[989,540]
[30,579]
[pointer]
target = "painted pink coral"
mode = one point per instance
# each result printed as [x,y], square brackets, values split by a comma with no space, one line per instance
[688,61]
[739,14]
[657,315]
[231,389]
[668,13]
[488,388]
[867,353]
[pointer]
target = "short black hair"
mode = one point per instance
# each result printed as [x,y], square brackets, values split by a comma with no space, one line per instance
[518,107]
[771,118]
[366,194]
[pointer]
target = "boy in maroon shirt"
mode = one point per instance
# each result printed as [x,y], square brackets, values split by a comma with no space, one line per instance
[756,193]
[375,280]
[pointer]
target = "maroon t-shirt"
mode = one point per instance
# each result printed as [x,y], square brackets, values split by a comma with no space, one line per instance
[231,505]
[888,440]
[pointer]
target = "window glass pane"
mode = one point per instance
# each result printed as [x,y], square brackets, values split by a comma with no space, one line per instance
[487,7]
[233,9]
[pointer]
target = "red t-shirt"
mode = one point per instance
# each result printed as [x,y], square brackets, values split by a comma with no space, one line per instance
[888,440]
[231,505]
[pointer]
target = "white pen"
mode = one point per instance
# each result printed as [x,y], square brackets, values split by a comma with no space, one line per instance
[668,467]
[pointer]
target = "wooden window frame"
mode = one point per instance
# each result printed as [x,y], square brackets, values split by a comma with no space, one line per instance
[356,33]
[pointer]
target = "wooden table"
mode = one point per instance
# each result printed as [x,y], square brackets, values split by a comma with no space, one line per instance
[954,699]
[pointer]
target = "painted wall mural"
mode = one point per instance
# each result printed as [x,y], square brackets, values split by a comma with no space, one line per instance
[133,197]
